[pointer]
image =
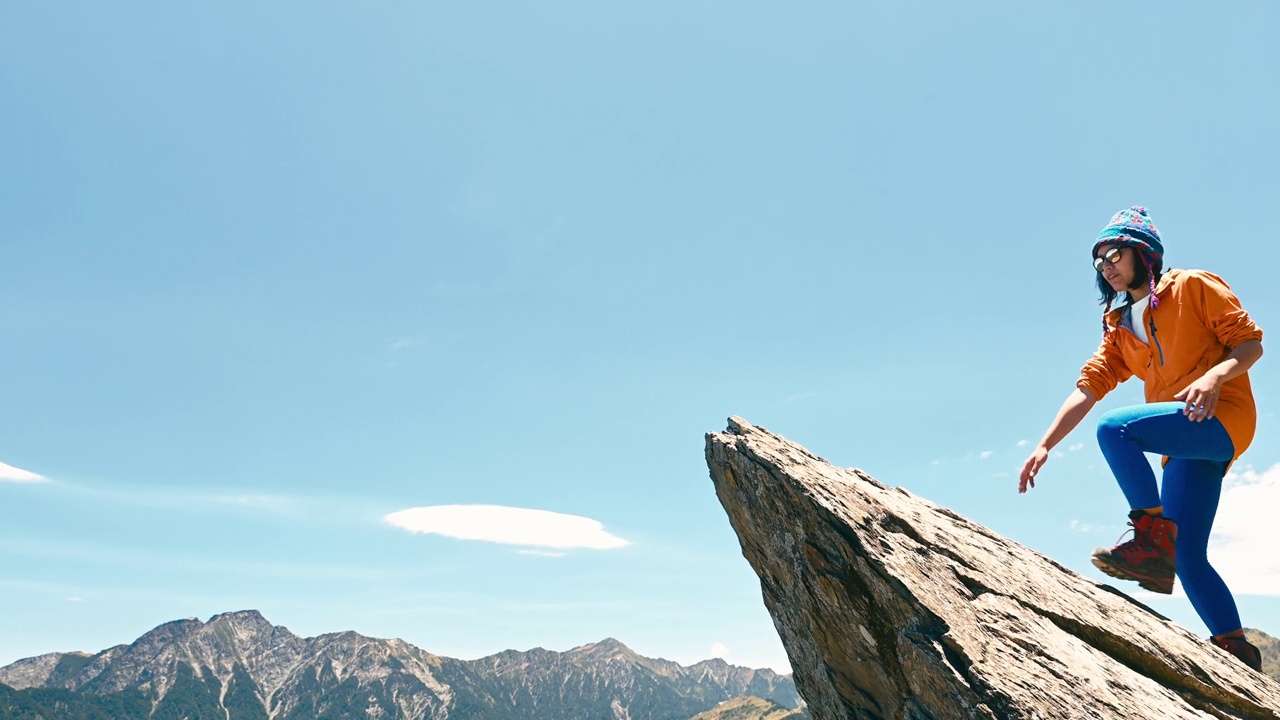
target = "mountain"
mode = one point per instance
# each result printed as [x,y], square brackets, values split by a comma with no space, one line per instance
[751,708]
[238,666]
[1270,648]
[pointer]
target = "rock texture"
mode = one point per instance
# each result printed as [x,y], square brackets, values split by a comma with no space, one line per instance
[238,666]
[890,606]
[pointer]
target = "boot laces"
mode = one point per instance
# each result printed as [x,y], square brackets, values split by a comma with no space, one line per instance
[1136,542]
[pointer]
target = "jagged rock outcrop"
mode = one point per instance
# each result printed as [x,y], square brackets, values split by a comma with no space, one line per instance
[238,666]
[890,606]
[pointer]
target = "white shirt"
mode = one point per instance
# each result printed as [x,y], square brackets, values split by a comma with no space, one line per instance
[1134,317]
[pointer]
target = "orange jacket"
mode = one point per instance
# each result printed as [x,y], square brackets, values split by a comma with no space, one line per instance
[1197,324]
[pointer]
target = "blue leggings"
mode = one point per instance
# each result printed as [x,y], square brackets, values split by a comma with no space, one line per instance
[1199,453]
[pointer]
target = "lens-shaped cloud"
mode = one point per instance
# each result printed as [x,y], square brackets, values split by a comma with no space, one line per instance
[507,525]
[9,473]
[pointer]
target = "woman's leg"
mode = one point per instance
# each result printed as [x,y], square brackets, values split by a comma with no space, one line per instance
[1125,434]
[1191,492]
[1199,454]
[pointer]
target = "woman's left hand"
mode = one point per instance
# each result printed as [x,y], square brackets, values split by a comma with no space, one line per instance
[1201,397]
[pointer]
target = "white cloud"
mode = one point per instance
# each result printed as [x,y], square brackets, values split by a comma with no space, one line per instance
[1077,446]
[985,454]
[1245,530]
[9,473]
[75,599]
[719,650]
[507,525]
[403,343]
[542,553]
[1023,443]
[1083,527]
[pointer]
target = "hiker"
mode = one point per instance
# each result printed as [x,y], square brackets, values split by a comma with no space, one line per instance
[1186,336]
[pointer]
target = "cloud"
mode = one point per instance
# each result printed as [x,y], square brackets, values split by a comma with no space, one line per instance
[800,396]
[507,525]
[1083,527]
[75,599]
[9,473]
[719,650]
[403,343]
[985,454]
[1077,446]
[1023,443]
[1245,530]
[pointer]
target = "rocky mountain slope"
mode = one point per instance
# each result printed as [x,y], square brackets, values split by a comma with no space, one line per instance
[238,666]
[890,606]
[751,708]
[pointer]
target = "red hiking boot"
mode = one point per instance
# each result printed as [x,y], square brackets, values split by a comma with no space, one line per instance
[1147,558]
[1244,650]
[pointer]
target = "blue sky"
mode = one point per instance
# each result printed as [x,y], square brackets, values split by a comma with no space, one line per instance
[275,276]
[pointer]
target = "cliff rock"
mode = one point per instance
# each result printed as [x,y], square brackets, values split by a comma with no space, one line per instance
[891,606]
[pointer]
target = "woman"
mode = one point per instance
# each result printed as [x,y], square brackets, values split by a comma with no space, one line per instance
[1186,336]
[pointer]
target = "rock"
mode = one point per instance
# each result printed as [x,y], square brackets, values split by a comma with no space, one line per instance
[890,606]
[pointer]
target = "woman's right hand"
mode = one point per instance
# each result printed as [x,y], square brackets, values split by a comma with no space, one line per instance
[1031,467]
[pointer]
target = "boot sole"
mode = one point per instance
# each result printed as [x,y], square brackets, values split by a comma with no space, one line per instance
[1162,586]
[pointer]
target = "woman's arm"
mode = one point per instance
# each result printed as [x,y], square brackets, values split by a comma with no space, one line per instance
[1201,396]
[1077,405]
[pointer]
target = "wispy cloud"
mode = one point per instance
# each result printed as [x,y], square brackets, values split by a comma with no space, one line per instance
[507,525]
[1245,528]
[1083,527]
[403,343]
[9,473]
[232,501]
[181,563]
[542,553]
[985,454]
[1076,447]
[719,650]
[1023,443]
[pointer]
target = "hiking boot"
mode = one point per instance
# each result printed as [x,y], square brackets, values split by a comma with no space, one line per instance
[1241,648]
[1147,558]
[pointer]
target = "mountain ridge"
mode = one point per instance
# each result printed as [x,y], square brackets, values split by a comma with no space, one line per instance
[238,665]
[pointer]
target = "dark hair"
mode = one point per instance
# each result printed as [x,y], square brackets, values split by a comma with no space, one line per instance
[1140,276]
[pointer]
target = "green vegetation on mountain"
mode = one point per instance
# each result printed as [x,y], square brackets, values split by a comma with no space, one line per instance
[751,708]
[56,704]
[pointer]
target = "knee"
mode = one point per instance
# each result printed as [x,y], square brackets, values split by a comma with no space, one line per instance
[1111,425]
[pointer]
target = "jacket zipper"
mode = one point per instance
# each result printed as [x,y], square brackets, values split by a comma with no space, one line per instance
[1159,350]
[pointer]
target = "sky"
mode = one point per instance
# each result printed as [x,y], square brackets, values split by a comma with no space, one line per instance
[411,318]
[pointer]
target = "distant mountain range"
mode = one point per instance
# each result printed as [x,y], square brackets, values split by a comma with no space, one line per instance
[238,666]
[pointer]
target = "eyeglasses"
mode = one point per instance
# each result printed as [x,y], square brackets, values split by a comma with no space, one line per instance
[1110,257]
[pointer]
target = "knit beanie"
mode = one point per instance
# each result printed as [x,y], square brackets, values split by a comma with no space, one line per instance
[1132,227]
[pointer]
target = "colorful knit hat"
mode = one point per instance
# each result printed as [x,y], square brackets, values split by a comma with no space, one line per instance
[1132,227]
